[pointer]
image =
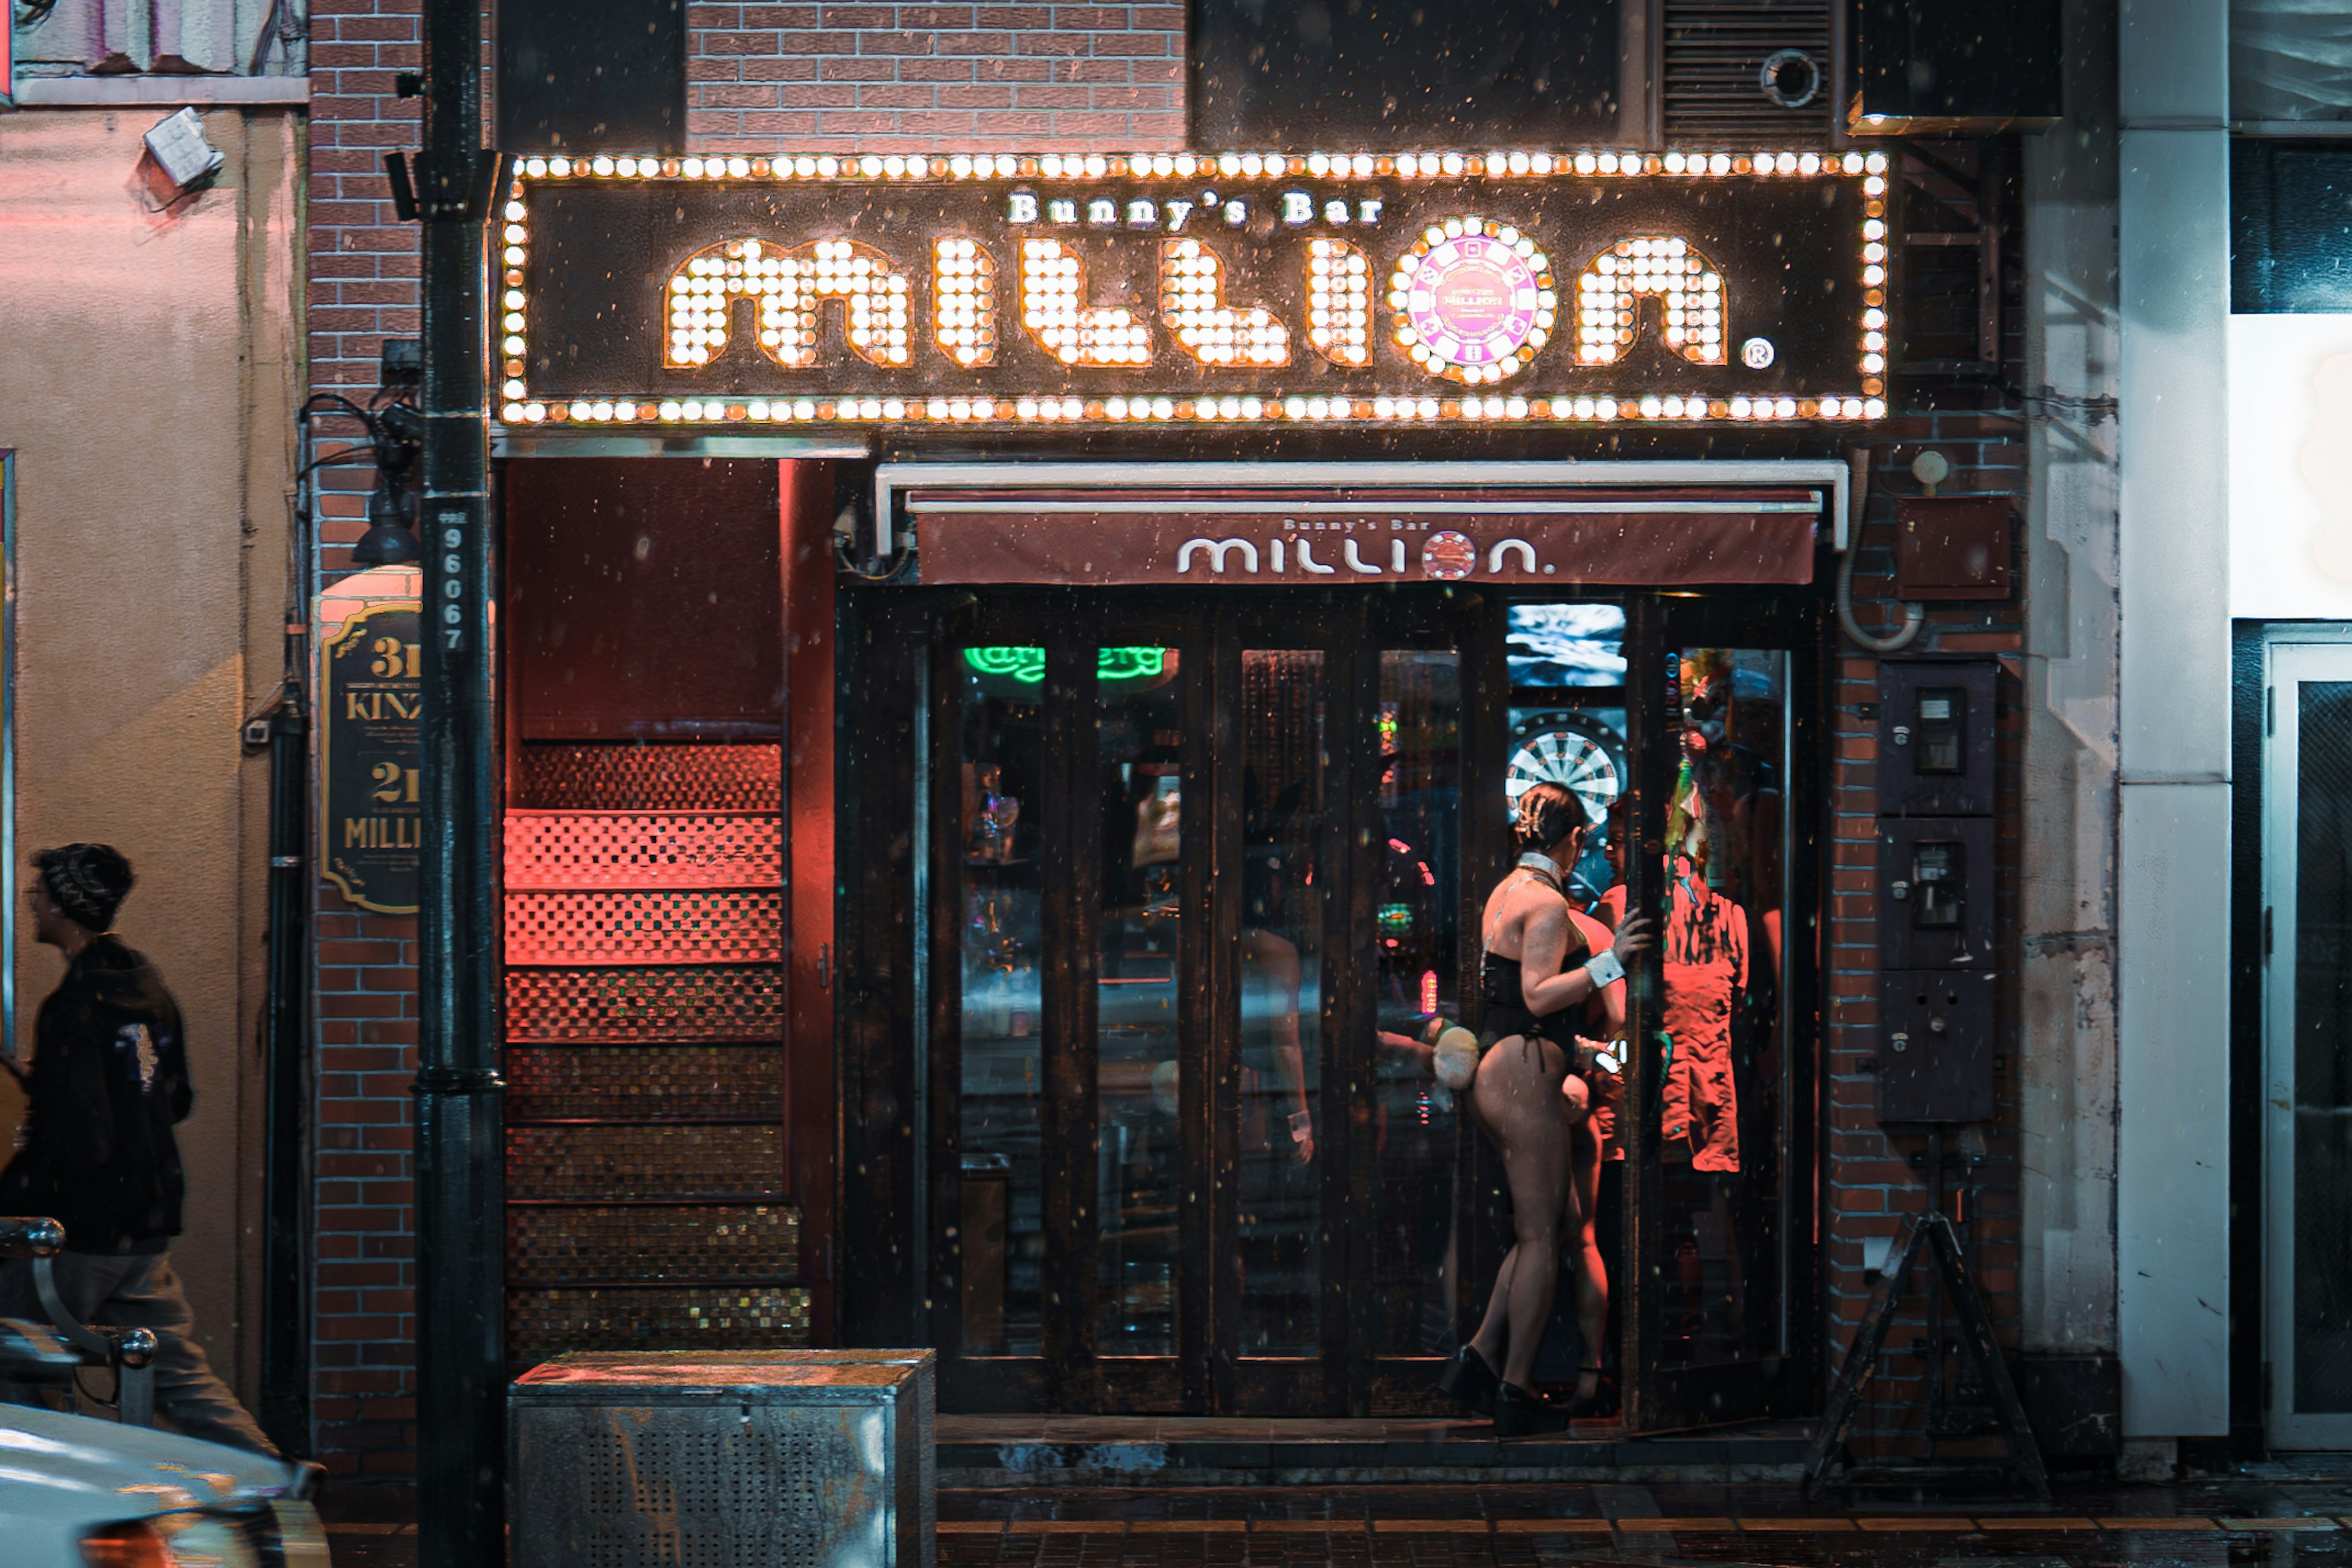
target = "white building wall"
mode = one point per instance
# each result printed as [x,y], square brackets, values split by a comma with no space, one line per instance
[2172,1210]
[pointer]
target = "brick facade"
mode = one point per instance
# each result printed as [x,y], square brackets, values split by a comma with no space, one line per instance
[362,289]
[1872,1178]
[895,77]
[891,76]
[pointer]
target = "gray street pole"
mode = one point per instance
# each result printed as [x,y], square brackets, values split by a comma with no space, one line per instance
[460,1174]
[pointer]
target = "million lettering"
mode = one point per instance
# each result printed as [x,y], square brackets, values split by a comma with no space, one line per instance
[381,833]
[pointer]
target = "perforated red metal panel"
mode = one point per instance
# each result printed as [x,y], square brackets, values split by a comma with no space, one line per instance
[620,1160]
[687,926]
[586,849]
[549,1246]
[645,929]
[592,1081]
[623,1007]
[544,1323]
[632,777]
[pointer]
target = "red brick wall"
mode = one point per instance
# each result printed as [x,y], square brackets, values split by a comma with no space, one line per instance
[1872,1178]
[892,77]
[879,77]
[362,289]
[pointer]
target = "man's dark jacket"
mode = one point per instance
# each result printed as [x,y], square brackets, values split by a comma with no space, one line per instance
[109,1081]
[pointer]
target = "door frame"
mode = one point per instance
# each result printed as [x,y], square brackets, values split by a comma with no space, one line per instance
[1668,1398]
[2285,652]
[897,1187]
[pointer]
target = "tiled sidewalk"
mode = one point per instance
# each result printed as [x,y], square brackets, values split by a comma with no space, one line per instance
[2293,1515]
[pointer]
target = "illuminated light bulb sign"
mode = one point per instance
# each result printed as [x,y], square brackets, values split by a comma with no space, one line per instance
[1564,288]
[964,301]
[1340,302]
[1193,308]
[1473,300]
[1055,312]
[788,289]
[1689,290]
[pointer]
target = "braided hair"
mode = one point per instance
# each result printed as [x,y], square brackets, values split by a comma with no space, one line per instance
[1546,813]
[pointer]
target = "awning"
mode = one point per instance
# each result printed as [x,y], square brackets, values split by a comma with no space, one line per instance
[1243,536]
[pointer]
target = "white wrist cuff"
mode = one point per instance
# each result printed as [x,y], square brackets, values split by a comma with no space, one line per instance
[1605,970]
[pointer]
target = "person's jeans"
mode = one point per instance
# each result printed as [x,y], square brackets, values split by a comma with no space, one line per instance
[141,1292]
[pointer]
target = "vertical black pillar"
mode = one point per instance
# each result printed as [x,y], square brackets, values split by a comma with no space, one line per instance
[460,1197]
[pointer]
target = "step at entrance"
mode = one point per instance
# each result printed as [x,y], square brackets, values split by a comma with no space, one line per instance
[1049,1451]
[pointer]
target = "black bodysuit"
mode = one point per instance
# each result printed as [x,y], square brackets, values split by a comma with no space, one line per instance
[1507,997]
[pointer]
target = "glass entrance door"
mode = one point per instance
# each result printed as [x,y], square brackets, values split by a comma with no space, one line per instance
[1195,899]
[1202,872]
[1721,706]
[2308,1100]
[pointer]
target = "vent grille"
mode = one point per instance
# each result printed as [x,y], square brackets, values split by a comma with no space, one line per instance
[1713,55]
[619,1006]
[545,1323]
[687,926]
[644,931]
[601,777]
[583,1083]
[582,849]
[593,1244]
[616,1160]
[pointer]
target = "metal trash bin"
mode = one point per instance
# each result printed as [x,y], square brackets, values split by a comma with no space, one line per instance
[683,1459]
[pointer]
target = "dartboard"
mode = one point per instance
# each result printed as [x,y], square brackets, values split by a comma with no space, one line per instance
[1570,758]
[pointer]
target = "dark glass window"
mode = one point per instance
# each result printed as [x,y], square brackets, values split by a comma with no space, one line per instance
[1376,75]
[2290,228]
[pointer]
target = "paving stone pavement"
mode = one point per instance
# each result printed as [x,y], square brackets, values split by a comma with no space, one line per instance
[2295,1514]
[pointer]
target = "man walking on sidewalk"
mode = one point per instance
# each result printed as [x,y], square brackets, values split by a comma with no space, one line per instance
[108,1082]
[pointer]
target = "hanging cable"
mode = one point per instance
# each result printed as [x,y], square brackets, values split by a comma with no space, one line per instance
[1914,615]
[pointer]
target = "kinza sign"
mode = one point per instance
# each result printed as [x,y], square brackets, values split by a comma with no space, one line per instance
[1168,289]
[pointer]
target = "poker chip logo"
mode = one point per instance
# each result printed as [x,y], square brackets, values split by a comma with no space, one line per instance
[1473,300]
[1448,556]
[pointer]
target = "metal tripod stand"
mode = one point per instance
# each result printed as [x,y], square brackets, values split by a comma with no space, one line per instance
[1930,1230]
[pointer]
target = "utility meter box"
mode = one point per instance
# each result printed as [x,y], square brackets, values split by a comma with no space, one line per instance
[1935,737]
[1935,1055]
[1935,892]
[750,1459]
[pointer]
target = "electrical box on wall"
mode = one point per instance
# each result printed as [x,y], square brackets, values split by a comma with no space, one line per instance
[1952,547]
[1935,892]
[1935,1062]
[1937,960]
[1935,737]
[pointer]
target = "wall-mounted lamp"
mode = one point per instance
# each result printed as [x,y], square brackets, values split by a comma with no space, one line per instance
[398,434]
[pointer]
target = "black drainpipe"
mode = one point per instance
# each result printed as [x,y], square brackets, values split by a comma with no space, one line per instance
[285,1305]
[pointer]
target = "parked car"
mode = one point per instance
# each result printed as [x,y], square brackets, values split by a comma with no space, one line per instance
[75,1492]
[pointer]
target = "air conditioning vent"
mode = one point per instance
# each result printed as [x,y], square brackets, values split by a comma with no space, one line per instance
[1717,88]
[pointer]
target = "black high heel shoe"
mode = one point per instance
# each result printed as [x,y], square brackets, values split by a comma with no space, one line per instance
[1469,1380]
[1519,1413]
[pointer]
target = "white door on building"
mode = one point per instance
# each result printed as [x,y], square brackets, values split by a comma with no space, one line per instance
[2307,1045]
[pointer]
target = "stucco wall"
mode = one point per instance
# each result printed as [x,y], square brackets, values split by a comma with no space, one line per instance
[147,386]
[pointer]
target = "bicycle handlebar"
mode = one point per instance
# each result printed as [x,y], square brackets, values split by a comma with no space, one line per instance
[30,1235]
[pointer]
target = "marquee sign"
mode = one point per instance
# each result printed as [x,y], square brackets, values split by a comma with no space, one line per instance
[1257,288]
